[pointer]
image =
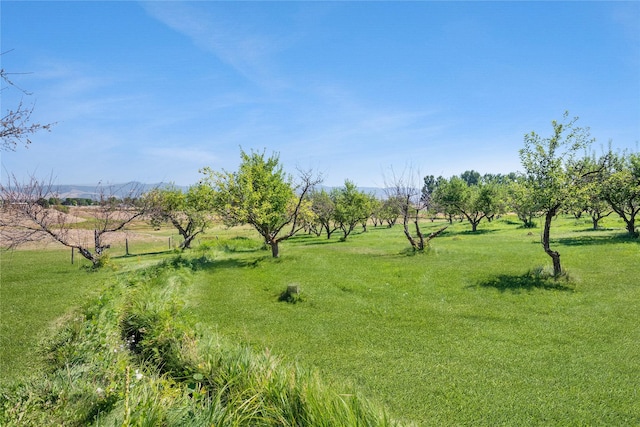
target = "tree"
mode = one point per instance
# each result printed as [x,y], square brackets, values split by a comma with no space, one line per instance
[26,219]
[550,173]
[351,207]
[470,177]
[390,210]
[372,205]
[590,196]
[262,195]
[621,188]
[410,201]
[323,207]
[473,202]
[521,201]
[16,126]
[187,211]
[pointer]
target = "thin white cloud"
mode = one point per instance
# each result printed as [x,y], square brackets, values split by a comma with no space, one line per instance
[236,43]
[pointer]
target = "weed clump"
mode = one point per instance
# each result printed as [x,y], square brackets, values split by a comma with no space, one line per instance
[292,294]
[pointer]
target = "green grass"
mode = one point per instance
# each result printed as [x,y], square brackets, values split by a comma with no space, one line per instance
[133,357]
[39,286]
[36,288]
[461,335]
[468,333]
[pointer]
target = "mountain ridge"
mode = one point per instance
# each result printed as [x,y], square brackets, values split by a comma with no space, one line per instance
[87,191]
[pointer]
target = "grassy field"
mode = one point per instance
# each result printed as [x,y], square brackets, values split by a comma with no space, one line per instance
[37,287]
[462,335]
[466,334]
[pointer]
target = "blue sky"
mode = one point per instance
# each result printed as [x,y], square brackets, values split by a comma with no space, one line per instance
[154,91]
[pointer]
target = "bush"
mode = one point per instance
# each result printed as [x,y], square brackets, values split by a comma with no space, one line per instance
[61,208]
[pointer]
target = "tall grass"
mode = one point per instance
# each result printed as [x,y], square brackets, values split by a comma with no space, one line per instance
[133,356]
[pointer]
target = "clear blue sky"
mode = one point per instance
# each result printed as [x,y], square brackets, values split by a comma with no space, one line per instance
[155,91]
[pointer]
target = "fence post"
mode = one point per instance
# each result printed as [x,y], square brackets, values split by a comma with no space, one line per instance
[72,250]
[126,246]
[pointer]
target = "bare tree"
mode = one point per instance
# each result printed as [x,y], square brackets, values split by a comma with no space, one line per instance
[25,217]
[403,189]
[16,126]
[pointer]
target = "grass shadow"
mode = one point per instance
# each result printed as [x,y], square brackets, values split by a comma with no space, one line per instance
[205,262]
[478,232]
[536,279]
[597,240]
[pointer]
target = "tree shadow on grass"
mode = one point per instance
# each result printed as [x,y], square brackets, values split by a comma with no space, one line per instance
[204,262]
[528,281]
[597,240]
[317,242]
[478,232]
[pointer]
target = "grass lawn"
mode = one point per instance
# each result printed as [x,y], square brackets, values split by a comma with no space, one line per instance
[462,335]
[37,287]
[459,336]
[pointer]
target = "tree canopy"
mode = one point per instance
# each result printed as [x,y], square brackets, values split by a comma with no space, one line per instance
[262,195]
[550,172]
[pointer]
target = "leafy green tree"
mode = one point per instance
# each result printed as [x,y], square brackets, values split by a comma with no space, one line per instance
[473,202]
[551,175]
[589,197]
[497,188]
[391,209]
[372,205]
[187,211]
[621,188]
[351,207]
[471,177]
[520,199]
[262,195]
[376,209]
[323,207]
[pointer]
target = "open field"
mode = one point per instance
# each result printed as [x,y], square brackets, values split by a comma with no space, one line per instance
[466,334]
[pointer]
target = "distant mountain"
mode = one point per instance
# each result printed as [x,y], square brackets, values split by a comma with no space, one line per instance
[74,191]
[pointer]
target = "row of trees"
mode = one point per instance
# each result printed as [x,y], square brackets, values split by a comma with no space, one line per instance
[555,179]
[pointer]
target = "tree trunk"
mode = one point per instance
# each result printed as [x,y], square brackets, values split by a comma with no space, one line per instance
[555,256]
[186,243]
[88,255]
[405,224]
[631,228]
[275,250]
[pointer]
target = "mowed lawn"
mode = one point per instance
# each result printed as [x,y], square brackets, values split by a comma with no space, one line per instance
[38,288]
[458,336]
[461,335]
